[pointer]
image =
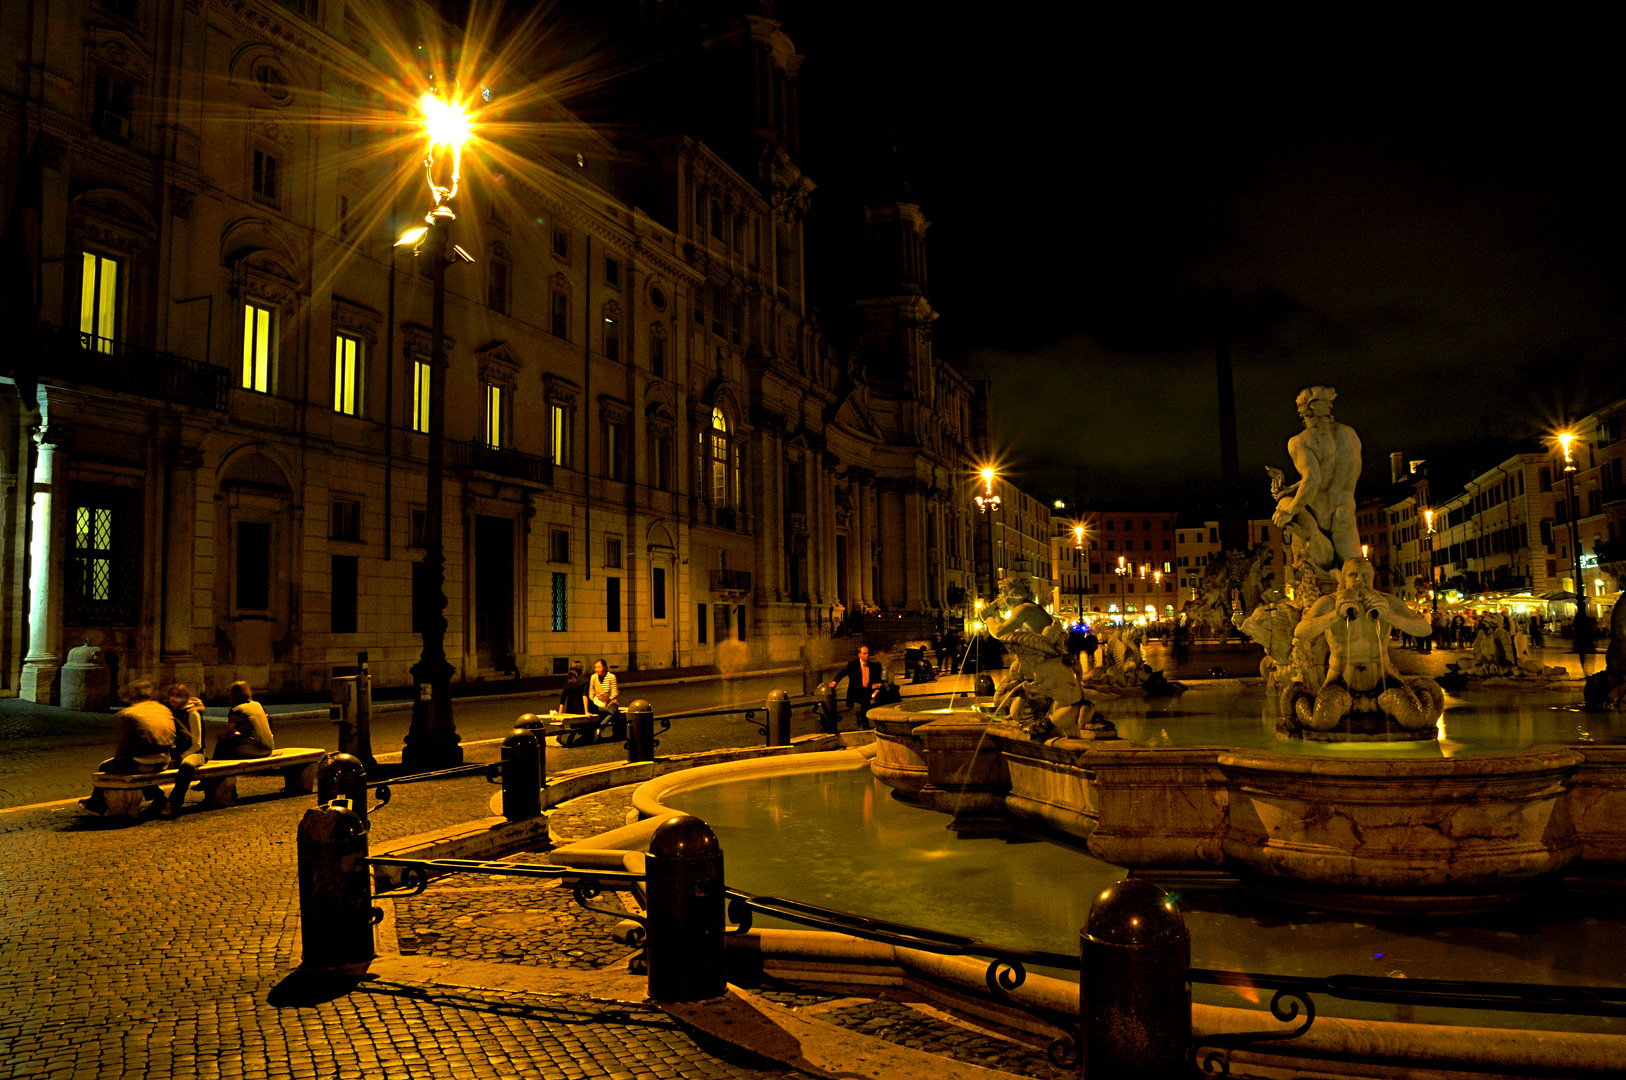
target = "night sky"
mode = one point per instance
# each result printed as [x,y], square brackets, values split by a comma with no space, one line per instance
[1428,219]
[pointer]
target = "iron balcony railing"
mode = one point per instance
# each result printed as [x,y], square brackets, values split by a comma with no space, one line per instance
[731,581]
[483,457]
[111,364]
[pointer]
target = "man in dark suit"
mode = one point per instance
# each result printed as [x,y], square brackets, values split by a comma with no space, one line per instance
[864,681]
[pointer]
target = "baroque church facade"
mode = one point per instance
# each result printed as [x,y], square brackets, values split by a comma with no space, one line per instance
[213,447]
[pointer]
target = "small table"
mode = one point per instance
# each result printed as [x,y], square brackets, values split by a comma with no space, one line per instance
[573,729]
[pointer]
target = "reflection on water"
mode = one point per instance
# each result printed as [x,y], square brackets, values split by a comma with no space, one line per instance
[1475,722]
[840,840]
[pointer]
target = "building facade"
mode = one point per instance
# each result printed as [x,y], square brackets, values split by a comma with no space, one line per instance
[216,452]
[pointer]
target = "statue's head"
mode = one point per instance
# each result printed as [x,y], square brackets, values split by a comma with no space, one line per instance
[1016,590]
[1315,402]
[1358,571]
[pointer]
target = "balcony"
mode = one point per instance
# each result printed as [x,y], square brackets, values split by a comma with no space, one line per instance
[110,364]
[731,581]
[476,456]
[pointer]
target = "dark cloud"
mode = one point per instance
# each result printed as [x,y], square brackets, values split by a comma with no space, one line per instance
[1425,222]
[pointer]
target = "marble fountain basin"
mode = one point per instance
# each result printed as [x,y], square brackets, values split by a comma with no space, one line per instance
[1358,830]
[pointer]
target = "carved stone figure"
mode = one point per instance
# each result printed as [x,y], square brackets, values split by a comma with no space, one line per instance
[1231,573]
[1319,508]
[1040,692]
[1363,695]
[1606,689]
[1271,624]
[1496,655]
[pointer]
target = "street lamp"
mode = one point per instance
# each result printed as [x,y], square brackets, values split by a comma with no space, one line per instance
[432,741]
[987,502]
[1572,509]
[1124,572]
[1083,563]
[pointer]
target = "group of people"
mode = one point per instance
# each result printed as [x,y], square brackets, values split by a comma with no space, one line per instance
[156,735]
[593,695]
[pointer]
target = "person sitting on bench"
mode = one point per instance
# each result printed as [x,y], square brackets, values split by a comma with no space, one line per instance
[601,699]
[146,733]
[248,729]
[187,754]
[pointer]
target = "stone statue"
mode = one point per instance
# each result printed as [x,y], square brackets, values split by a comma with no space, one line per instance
[1040,692]
[1245,575]
[1362,694]
[1606,689]
[1271,624]
[1319,509]
[1496,655]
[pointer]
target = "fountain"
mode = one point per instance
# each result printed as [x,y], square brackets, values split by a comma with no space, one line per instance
[1382,816]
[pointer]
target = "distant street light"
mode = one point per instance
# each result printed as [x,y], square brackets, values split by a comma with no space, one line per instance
[1572,509]
[432,741]
[987,503]
[1078,546]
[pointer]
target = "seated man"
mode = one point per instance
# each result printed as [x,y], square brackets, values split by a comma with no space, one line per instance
[602,701]
[187,755]
[146,734]
[248,729]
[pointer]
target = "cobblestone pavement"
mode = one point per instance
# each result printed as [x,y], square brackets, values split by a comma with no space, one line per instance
[510,920]
[591,815]
[158,949]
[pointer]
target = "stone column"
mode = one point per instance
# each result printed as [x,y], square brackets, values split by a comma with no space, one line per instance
[914,548]
[43,663]
[861,540]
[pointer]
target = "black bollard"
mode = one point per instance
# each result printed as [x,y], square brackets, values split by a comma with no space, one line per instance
[640,731]
[342,776]
[521,774]
[985,685]
[1134,991]
[685,891]
[335,889]
[824,705]
[778,718]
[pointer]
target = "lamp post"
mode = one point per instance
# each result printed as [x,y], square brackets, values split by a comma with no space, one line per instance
[1572,510]
[987,502]
[1083,564]
[1124,572]
[432,741]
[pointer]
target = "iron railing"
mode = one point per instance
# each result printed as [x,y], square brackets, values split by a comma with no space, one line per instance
[479,456]
[730,580]
[111,364]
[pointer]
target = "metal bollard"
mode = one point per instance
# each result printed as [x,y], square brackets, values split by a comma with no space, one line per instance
[778,718]
[1134,991]
[335,889]
[521,774]
[640,731]
[362,712]
[985,685]
[685,891]
[824,706]
[342,776]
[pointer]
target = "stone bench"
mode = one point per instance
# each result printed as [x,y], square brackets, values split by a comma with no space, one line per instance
[216,779]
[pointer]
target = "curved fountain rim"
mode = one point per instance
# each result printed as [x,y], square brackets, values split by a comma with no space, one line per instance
[648,797]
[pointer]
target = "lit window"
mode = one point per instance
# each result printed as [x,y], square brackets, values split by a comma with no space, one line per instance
[612,338]
[93,553]
[559,423]
[719,458]
[494,415]
[346,374]
[420,397]
[258,338]
[98,302]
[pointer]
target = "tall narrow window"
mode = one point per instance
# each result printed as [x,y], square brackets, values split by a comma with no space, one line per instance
[740,626]
[267,178]
[559,423]
[612,338]
[93,553]
[657,594]
[420,397]
[495,405]
[717,313]
[700,626]
[614,451]
[98,302]
[699,306]
[660,462]
[561,244]
[612,604]
[657,355]
[111,116]
[342,610]
[344,520]
[253,565]
[561,600]
[259,337]
[719,458]
[560,316]
[612,272]
[497,286]
[346,374]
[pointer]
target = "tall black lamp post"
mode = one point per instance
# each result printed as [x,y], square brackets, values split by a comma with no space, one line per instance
[432,741]
[1083,564]
[987,503]
[1572,510]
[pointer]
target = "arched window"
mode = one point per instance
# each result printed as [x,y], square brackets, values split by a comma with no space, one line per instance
[719,458]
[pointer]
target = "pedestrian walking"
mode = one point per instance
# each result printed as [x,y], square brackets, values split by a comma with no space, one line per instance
[863,677]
